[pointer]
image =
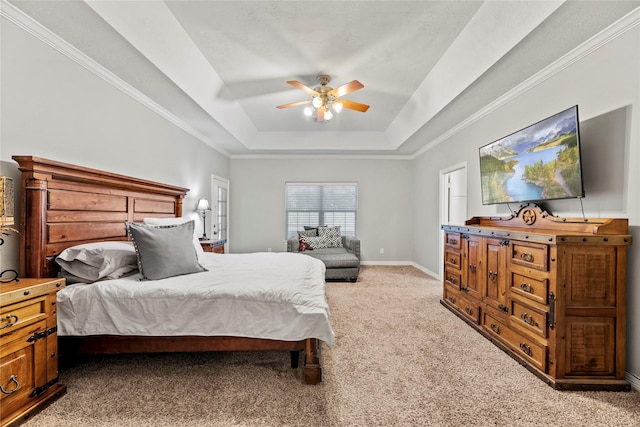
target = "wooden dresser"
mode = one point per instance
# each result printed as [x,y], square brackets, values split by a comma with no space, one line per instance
[549,291]
[28,348]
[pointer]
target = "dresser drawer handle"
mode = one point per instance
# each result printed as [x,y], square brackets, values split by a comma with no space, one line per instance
[503,308]
[452,261]
[452,280]
[452,299]
[526,287]
[468,311]
[493,275]
[526,257]
[13,379]
[453,242]
[472,268]
[495,328]
[527,318]
[8,317]
[525,349]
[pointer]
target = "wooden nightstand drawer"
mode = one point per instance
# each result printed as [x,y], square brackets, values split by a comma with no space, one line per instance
[214,246]
[21,314]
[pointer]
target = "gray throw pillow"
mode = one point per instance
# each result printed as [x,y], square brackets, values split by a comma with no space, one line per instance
[164,251]
[98,260]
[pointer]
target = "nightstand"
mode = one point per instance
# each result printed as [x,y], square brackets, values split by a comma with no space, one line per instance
[215,246]
[28,348]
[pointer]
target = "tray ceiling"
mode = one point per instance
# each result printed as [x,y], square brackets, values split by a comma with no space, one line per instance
[221,67]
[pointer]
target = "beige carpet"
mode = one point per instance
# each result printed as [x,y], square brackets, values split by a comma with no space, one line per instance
[400,359]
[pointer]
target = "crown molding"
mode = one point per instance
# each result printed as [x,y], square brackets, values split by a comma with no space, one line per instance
[37,30]
[612,32]
[318,157]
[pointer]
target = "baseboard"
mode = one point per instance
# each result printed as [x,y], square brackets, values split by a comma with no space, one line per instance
[411,263]
[634,380]
[386,263]
[426,270]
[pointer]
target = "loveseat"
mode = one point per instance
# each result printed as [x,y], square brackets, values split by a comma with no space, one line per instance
[342,263]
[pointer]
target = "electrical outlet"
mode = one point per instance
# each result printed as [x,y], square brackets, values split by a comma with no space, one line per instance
[381,250]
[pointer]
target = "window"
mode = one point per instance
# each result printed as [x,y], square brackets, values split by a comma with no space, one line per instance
[321,204]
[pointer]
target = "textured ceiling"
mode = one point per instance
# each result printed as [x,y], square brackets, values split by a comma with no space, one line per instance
[221,66]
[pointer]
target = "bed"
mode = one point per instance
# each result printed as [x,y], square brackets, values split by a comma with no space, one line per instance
[65,205]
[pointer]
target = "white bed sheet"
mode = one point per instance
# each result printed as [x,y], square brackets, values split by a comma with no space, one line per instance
[277,296]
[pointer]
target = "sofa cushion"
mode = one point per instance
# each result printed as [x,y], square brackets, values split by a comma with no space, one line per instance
[335,258]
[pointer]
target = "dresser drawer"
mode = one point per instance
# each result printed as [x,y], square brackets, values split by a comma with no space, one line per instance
[533,352]
[453,259]
[453,240]
[465,306]
[530,254]
[531,288]
[452,277]
[20,314]
[528,318]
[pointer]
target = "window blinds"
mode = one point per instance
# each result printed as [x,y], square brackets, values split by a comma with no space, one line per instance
[312,204]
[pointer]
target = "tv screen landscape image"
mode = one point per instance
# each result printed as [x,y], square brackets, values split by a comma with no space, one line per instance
[540,162]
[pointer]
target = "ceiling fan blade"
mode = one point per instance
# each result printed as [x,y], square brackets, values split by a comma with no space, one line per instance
[321,114]
[302,87]
[353,105]
[294,104]
[345,89]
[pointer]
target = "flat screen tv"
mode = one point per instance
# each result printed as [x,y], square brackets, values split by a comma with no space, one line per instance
[540,162]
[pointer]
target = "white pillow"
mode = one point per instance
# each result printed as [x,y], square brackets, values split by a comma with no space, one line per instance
[178,221]
[99,260]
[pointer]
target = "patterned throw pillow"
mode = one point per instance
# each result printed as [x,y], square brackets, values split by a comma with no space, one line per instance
[331,237]
[309,231]
[316,242]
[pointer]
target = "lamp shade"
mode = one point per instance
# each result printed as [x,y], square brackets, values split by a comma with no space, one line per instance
[203,205]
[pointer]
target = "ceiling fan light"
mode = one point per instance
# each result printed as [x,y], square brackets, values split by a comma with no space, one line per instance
[317,102]
[337,106]
[308,111]
[328,115]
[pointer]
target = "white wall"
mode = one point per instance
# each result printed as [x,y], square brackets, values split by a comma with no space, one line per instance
[56,109]
[384,202]
[606,86]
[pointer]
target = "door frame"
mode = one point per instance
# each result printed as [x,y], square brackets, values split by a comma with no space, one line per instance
[215,184]
[444,206]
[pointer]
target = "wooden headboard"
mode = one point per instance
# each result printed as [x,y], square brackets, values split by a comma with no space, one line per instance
[65,205]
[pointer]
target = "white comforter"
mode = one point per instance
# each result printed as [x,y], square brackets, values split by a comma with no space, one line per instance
[262,295]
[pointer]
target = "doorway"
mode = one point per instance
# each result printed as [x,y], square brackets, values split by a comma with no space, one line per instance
[220,209]
[453,201]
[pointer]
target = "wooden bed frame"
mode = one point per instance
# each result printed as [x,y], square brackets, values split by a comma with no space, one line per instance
[63,205]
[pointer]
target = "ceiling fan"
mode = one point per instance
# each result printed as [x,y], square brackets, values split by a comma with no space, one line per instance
[325,98]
